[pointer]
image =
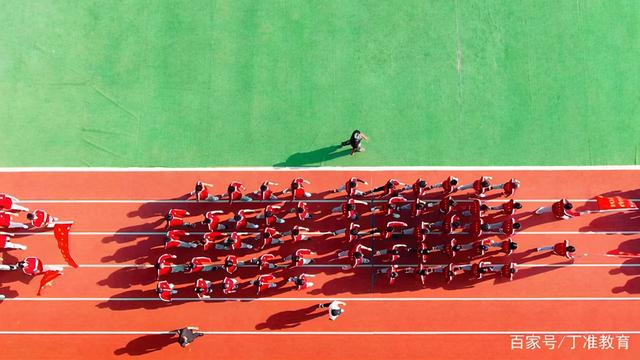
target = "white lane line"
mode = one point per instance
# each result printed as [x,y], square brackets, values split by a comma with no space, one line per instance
[162,233]
[321,299]
[342,333]
[364,266]
[323,168]
[154,201]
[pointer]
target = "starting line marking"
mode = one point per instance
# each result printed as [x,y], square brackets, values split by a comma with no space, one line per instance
[358,333]
[323,299]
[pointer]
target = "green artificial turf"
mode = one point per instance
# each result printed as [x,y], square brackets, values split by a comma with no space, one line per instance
[239,83]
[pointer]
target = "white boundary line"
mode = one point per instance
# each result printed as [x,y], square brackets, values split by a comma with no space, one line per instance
[351,299]
[342,333]
[364,266]
[327,168]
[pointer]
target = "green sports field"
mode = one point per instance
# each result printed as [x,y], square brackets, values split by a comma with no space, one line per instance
[235,83]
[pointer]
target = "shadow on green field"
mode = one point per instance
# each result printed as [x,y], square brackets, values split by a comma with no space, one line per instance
[314,157]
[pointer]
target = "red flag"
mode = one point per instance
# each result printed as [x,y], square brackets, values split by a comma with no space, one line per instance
[47,279]
[61,232]
[615,203]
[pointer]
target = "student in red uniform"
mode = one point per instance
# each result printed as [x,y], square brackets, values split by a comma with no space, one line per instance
[448,185]
[265,192]
[507,227]
[447,225]
[392,207]
[506,208]
[477,270]
[419,188]
[5,221]
[348,209]
[422,250]
[212,221]
[449,271]
[351,187]
[164,266]
[175,218]
[240,219]
[233,242]
[264,262]
[203,288]
[299,258]
[391,188]
[395,228]
[33,266]
[422,271]
[269,215]
[302,211]
[270,236]
[297,233]
[200,264]
[264,282]
[476,209]
[229,285]
[355,256]
[302,281]
[174,239]
[445,205]
[210,239]
[234,192]
[41,219]
[450,248]
[508,188]
[353,232]
[507,246]
[478,247]
[231,263]
[423,231]
[480,186]
[297,189]
[10,203]
[6,243]
[165,290]
[417,207]
[392,273]
[560,249]
[562,210]
[202,192]
[475,227]
[394,252]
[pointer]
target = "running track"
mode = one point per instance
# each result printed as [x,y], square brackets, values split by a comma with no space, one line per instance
[108,307]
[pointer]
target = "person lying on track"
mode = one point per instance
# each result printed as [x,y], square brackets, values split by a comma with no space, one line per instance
[31,266]
[200,264]
[264,283]
[233,242]
[174,239]
[240,219]
[6,223]
[10,204]
[351,187]
[297,234]
[355,256]
[299,258]
[448,185]
[391,272]
[7,244]
[348,209]
[165,290]
[269,237]
[561,249]
[201,192]
[392,207]
[419,188]
[391,188]
[445,205]
[297,189]
[353,232]
[265,192]
[393,253]
[234,192]
[175,218]
[507,227]
[480,186]
[164,266]
[212,221]
[416,207]
[561,209]
[447,225]
[301,281]
[302,211]
[508,188]
[264,262]
[269,215]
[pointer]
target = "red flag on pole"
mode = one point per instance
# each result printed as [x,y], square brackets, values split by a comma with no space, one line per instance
[615,203]
[61,232]
[47,279]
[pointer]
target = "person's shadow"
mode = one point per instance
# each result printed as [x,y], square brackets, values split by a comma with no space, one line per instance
[146,344]
[315,157]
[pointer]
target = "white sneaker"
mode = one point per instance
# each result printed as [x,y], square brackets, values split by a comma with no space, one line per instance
[539,210]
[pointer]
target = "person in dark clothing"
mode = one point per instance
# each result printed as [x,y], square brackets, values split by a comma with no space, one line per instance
[355,141]
[187,335]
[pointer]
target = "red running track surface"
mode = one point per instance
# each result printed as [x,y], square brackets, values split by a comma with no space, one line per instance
[566,300]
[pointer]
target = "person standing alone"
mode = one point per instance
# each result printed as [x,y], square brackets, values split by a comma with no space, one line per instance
[355,141]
